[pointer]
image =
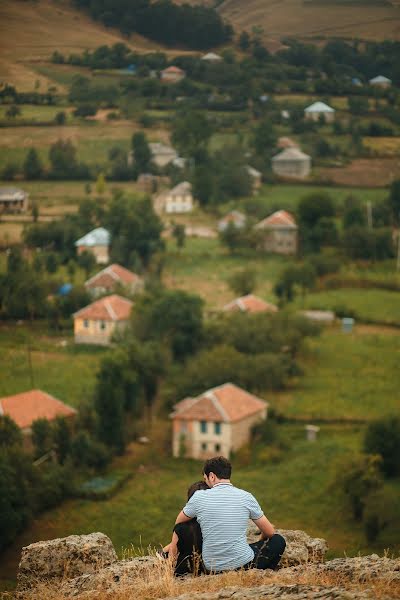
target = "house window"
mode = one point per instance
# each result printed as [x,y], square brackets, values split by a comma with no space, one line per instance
[217,428]
[102,325]
[203,426]
[183,427]
[204,447]
[86,323]
[217,447]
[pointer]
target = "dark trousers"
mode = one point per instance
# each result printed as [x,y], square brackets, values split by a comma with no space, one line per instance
[267,553]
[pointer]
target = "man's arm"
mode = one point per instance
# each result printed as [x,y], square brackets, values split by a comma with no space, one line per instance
[182,518]
[266,528]
[172,547]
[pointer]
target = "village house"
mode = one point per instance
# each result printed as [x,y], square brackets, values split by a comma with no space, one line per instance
[172,74]
[13,200]
[279,233]
[286,142]
[161,154]
[256,178]
[219,421]
[97,322]
[380,81]
[112,277]
[147,183]
[291,163]
[249,304]
[234,218]
[97,242]
[318,109]
[178,200]
[27,407]
[211,57]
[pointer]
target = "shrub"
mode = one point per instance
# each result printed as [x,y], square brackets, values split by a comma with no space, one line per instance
[383,437]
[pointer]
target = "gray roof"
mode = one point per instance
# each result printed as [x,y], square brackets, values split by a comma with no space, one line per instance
[182,188]
[161,149]
[380,79]
[96,237]
[12,193]
[319,107]
[290,154]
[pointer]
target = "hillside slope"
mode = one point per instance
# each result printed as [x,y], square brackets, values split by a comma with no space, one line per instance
[281,18]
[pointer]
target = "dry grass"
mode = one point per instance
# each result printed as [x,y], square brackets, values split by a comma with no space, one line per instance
[296,18]
[384,146]
[364,172]
[158,582]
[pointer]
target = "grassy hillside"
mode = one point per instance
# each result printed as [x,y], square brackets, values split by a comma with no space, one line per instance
[331,18]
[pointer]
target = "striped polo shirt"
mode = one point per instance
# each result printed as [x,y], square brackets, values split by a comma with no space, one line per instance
[223,513]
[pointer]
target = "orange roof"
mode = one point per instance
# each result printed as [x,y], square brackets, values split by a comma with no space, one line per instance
[173,69]
[110,276]
[280,219]
[250,304]
[27,407]
[109,308]
[226,403]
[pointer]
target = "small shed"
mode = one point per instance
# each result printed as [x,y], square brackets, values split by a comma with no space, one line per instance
[292,162]
[162,154]
[211,57]
[13,200]
[315,110]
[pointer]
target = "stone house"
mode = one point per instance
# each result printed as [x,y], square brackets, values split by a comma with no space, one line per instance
[112,277]
[172,74]
[97,242]
[235,218]
[279,233]
[178,200]
[162,154]
[27,407]
[292,163]
[97,322]
[13,200]
[380,81]
[249,304]
[217,422]
[315,110]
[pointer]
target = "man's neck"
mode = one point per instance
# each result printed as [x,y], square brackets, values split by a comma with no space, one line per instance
[219,481]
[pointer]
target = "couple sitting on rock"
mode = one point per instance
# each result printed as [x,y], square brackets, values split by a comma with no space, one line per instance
[210,532]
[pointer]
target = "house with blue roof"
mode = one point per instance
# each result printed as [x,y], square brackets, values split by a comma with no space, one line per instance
[97,242]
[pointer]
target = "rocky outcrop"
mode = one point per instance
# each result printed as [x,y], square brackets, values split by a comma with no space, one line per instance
[279,592]
[64,558]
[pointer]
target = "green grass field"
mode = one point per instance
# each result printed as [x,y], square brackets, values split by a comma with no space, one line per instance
[368,305]
[346,376]
[68,372]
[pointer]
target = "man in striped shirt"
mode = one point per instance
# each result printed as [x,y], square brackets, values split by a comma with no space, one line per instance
[223,512]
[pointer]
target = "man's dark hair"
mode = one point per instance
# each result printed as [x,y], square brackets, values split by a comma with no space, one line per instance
[198,485]
[219,465]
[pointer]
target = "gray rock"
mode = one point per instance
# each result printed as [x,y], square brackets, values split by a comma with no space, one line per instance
[357,569]
[279,592]
[300,547]
[64,558]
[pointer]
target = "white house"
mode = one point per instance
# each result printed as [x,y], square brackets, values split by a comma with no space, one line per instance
[179,200]
[211,57]
[218,421]
[315,110]
[13,200]
[234,218]
[162,154]
[292,162]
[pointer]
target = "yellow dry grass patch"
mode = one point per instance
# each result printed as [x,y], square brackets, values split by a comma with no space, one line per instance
[386,146]
[295,18]
[10,233]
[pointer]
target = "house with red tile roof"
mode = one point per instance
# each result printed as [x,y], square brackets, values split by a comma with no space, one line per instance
[27,407]
[279,233]
[107,280]
[217,422]
[172,74]
[251,304]
[97,322]
[234,218]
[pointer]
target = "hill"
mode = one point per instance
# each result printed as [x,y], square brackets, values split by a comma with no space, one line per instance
[316,18]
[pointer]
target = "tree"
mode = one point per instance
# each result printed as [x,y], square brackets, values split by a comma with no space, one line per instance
[10,433]
[64,164]
[61,438]
[32,167]
[141,152]
[100,184]
[191,132]
[13,111]
[264,139]
[41,436]
[88,452]
[354,213]
[86,261]
[179,234]
[294,277]
[60,118]
[35,212]
[243,282]
[383,437]
[394,200]
[244,41]
[316,213]
[358,477]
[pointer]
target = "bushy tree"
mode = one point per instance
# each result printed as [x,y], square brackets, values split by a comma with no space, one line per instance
[243,282]
[10,433]
[32,167]
[41,437]
[357,477]
[294,278]
[394,200]
[141,152]
[191,132]
[383,437]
